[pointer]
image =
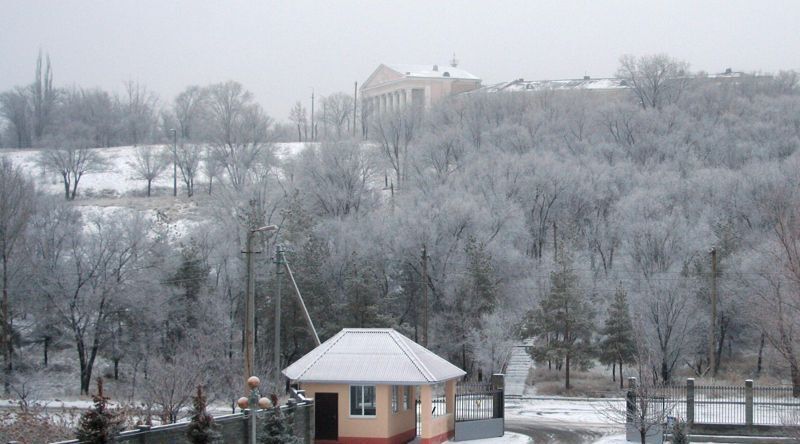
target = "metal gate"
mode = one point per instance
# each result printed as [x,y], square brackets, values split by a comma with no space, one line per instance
[479,411]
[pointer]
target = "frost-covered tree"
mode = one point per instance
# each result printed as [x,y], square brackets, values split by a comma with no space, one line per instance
[148,164]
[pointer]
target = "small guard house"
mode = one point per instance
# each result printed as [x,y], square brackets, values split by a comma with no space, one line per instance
[366,384]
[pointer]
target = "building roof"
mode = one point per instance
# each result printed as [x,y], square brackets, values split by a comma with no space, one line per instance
[371,356]
[566,84]
[429,72]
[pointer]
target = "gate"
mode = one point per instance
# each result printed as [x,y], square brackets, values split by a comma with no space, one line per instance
[479,410]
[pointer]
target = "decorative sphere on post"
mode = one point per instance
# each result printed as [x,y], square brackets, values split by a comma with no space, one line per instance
[253,382]
[264,403]
[242,403]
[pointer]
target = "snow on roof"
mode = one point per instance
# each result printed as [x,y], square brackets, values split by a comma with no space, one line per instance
[566,84]
[371,356]
[428,71]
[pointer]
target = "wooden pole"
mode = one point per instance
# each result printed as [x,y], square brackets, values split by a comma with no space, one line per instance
[712,329]
[424,296]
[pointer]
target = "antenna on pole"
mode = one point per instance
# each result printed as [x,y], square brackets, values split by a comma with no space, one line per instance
[454,61]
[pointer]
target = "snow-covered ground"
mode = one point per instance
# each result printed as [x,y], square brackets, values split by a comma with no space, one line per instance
[116,180]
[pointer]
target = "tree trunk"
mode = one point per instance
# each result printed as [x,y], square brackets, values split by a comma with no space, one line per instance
[614,371]
[46,346]
[620,375]
[760,355]
[149,183]
[116,369]
[566,372]
[795,371]
[66,185]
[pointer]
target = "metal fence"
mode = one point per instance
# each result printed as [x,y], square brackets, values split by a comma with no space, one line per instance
[478,401]
[746,405]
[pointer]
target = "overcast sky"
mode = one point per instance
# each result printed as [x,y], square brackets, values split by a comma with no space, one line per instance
[281,49]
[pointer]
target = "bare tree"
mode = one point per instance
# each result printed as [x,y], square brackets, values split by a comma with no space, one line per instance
[43,96]
[338,113]
[72,164]
[85,272]
[148,164]
[16,206]
[188,156]
[394,132]
[139,108]
[190,108]
[239,132]
[656,80]
[299,117]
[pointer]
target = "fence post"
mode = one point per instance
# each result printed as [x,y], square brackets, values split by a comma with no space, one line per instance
[498,384]
[690,402]
[748,402]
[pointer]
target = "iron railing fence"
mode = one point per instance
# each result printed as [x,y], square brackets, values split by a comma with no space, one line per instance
[775,406]
[733,405]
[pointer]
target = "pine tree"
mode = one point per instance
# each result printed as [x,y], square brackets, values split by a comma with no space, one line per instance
[277,427]
[563,320]
[99,424]
[617,345]
[202,429]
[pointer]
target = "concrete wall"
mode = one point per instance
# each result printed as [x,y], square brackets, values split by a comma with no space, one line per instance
[234,428]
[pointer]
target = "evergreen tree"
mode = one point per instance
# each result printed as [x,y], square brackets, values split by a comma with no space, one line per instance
[617,345]
[202,429]
[277,427]
[680,432]
[563,320]
[99,424]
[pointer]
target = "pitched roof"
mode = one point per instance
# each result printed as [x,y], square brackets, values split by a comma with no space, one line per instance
[427,71]
[371,356]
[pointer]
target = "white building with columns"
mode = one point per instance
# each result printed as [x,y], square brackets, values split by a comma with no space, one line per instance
[392,87]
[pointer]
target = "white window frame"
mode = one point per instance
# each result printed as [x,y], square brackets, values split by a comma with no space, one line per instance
[406,396]
[395,399]
[362,403]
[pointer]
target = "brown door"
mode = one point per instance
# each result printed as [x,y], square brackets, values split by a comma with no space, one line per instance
[326,416]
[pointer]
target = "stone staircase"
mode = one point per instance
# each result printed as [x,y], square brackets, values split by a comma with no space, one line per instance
[517,370]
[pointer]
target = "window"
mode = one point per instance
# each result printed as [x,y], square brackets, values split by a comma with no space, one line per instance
[394,399]
[362,400]
[406,396]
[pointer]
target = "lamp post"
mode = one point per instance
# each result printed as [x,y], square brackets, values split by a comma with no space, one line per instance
[250,307]
[252,403]
[174,162]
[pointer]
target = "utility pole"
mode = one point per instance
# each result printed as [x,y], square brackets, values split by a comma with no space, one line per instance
[250,305]
[277,351]
[712,329]
[313,124]
[424,296]
[355,106]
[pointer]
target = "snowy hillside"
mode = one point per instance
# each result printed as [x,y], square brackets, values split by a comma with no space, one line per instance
[119,178]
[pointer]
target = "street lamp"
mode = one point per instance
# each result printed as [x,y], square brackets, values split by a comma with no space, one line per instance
[250,307]
[252,403]
[174,161]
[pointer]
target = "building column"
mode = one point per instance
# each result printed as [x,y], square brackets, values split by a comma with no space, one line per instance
[404,97]
[425,407]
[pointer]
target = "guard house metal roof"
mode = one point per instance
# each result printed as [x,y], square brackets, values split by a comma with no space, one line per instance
[371,356]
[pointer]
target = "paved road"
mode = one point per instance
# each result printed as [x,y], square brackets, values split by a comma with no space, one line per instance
[546,434]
